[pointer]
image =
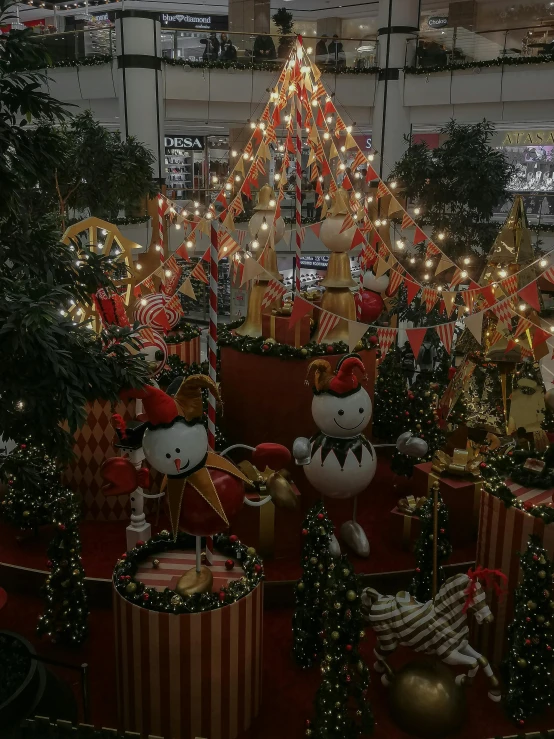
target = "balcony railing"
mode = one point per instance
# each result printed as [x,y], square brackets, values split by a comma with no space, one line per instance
[456,45]
[93,44]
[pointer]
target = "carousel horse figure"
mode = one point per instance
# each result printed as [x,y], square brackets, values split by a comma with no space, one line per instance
[436,627]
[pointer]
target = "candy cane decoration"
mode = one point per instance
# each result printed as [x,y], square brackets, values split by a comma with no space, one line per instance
[161,211]
[212,337]
[298,153]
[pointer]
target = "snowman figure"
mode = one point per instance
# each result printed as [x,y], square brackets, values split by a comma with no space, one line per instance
[339,461]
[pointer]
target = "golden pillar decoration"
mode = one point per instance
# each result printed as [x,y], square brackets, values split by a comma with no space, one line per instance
[338,297]
[265,231]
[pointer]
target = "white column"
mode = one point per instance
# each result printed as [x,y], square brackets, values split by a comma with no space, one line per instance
[139,529]
[141,100]
[397,21]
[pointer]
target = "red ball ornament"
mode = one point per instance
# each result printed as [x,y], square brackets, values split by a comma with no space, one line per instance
[61,526]
[10,482]
[527,642]
[229,564]
[417,569]
[373,340]
[304,532]
[330,349]
[257,568]
[145,596]
[265,347]
[442,531]
[483,465]
[528,619]
[535,557]
[198,518]
[308,722]
[233,538]
[549,648]
[348,647]
[222,596]
[510,454]
[123,556]
[140,543]
[320,516]
[521,722]
[406,413]
[348,678]
[23,446]
[49,563]
[369,306]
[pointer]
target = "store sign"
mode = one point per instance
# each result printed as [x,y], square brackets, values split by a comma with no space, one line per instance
[203,22]
[437,21]
[317,261]
[101,16]
[364,142]
[191,143]
[528,138]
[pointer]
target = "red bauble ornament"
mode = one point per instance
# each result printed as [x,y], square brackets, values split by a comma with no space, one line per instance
[23,446]
[257,568]
[320,516]
[308,722]
[483,465]
[528,619]
[406,413]
[348,678]
[61,526]
[229,564]
[330,349]
[222,596]
[198,517]
[304,532]
[442,531]
[535,557]
[527,642]
[369,306]
[124,555]
[348,647]
[373,340]
[140,543]
[265,347]
[417,569]
[145,596]
[49,563]
[549,648]
[233,538]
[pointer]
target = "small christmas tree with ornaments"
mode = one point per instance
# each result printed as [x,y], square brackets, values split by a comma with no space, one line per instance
[342,710]
[317,565]
[421,586]
[390,399]
[529,662]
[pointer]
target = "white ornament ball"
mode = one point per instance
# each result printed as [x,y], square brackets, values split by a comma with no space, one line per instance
[148,306]
[411,445]
[330,234]
[375,284]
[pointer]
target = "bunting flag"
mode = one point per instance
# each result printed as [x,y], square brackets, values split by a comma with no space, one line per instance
[530,295]
[475,325]
[199,274]
[327,323]
[359,159]
[431,250]
[386,338]
[510,345]
[241,236]
[382,190]
[171,281]
[419,236]
[371,174]
[443,265]
[300,308]
[496,338]
[540,336]
[316,228]
[137,291]
[412,289]
[429,296]
[549,274]
[274,290]
[160,318]
[394,206]
[355,332]
[187,289]
[182,252]
[251,270]
[396,280]
[407,222]
[503,312]
[468,297]
[456,277]
[227,246]
[382,267]
[416,337]
[523,325]
[149,283]
[509,285]
[449,299]
[357,239]
[347,223]
[446,333]
[488,294]
[174,305]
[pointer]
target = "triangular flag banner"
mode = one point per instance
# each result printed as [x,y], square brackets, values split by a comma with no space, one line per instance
[412,289]
[327,323]
[182,252]
[199,273]
[161,318]
[316,228]
[386,338]
[394,206]
[431,250]
[347,223]
[395,281]
[300,308]
[273,291]
[540,336]
[549,274]
[419,236]
[429,297]
[381,268]
[530,294]
[357,239]
[187,289]
[510,345]
[443,265]
[488,293]
[509,285]
[503,312]
[355,332]
[475,325]
[446,332]
[522,326]
[407,222]
[251,270]
[456,278]
[382,190]
[416,337]
[449,299]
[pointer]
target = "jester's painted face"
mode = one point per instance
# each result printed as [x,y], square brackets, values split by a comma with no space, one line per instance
[342,416]
[176,449]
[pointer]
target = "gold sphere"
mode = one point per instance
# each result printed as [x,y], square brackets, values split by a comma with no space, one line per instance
[542,574]
[300,586]
[351,595]
[425,700]
[251,552]
[131,588]
[155,563]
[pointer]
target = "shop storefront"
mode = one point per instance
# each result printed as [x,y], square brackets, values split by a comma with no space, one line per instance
[195,165]
[185,36]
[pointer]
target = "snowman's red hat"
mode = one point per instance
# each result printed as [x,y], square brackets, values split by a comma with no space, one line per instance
[342,381]
[161,409]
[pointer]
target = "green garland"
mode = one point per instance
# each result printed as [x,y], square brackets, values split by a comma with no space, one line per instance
[272,348]
[87,61]
[260,66]
[184,332]
[170,601]
[501,61]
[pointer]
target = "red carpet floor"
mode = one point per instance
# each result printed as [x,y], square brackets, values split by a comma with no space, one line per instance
[287,691]
[102,543]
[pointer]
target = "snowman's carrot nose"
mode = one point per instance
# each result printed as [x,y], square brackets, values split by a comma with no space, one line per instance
[178,464]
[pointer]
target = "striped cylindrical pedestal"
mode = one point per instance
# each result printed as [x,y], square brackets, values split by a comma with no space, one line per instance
[187,351]
[503,533]
[190,675]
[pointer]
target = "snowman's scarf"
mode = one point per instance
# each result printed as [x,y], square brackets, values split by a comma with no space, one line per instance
[340,447]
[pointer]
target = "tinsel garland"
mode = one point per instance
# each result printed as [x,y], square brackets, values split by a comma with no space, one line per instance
[169,600]
[501,61]
[261,66]
[87,61]
[272,348]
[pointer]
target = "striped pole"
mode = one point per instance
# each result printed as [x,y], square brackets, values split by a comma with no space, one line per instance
[298,169]
[161,226]
[212,336]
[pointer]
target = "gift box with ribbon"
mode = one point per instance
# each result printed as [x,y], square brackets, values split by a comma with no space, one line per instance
[275,325]
[272,529]
[404,528]
[461,494]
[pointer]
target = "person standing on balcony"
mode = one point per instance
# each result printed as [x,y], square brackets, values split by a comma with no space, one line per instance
[211,52]
[321,51]
[309,199]
[336,52]
[264,49]
[228,51]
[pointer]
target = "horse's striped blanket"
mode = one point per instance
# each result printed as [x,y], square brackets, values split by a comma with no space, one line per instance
[435,628]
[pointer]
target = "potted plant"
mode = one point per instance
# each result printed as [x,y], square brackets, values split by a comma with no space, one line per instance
[284,21]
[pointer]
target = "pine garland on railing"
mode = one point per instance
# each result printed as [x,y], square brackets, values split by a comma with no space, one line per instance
[501,61]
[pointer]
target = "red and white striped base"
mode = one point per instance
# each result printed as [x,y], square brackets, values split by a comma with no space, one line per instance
[187,351]
[531,496]
[174,564]
[190,675]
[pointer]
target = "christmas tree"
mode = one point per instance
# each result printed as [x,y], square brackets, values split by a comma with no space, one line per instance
[390,399]
[341,707]
[317,565]
[422,584]
[528,664]
[65,617]
[420,417]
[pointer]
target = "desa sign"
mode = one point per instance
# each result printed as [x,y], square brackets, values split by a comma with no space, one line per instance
[192,143]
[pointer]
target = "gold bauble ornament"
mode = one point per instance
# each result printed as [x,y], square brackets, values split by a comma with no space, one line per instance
[362,634]
[425,700]
[155,563]
[542,560]
[300,586]
[346,572]
[540,619]
[313,560]
[351,595]
[164,532]
[251,552]
[75,572]
[26,514]
[542,574]
[322,530]
[316,585]
[522,662]
[176,600]
[131,588]
[531,605]
[335,635]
